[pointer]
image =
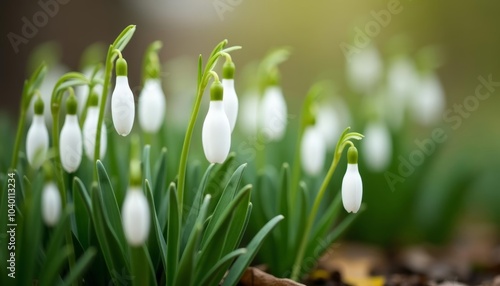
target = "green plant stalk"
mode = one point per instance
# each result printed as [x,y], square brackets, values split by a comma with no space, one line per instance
[312,216]
[203,79]
[114,49]
[102,106]
[29,88]
[343,141]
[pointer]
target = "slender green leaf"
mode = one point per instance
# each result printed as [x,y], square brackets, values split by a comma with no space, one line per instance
[173,235]
[160,178]
[157,239]
[81,265]
[215,274]
[227,196]
[244,260]
[52,267]
[186,266]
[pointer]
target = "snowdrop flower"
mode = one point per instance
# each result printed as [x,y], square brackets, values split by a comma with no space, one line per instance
[122,101]
[51,204]
[230,99]
[90,127]
[312,151]
[352,186]
[273,113]
[216,133]
[364,69]
[377,146]
[249,121]
[70,141]
[37,140]
[429,100]
[402,81]
[152,106]
[135,217]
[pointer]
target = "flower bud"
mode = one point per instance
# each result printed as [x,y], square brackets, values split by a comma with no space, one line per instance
[377,146]
[135,217]
[352,186]
[70,140]
[216,133]
[151,106]
[51,204]
[37,139]
[122,101]
[364,69]
[313,151]
[273,117]
[429,100]
[249,119]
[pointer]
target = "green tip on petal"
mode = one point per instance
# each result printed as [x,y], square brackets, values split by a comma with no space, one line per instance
[71,104]
[39,105]
[216,91]
[228,70]
[352,155]
[273,77]
[121,67]
[94,99]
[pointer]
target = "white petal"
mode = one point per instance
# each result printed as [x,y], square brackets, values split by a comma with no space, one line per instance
[313,151]
[89,134]
[216,133]
[352,189]
[151,106]
[135,217]
[37,142]
[51,204]
[70,144]
[230,101]
[122,106]
[429,101]
[273,114]
[377,146]
[364,69]
[249,114]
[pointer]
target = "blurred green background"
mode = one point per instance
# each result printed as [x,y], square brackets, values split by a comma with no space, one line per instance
[463,174]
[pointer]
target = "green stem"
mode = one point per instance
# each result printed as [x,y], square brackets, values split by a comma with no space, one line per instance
[105,90]
[297,163]
[203,79]
[19,135]
[312,216]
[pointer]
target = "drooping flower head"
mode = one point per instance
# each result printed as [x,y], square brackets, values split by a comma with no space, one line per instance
[313,151]
[37,139]
[273,111]
[136,217]
[152,106]
[230,98]
[70,141]
[216,133]
[90,127]
[377,146]
[122,101]
[51,204]
[352,186]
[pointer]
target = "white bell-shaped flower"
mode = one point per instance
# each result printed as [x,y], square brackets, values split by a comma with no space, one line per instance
[152,105]
[51,204]
[312,151]
[136,217]
[329,124]
[273,117]
[377,146]
[70,144]
[89,134]
[429,100]
[122,101]
[364,69]
[37,139]
[216,133]
[249,119]
[352,186]
[230,101]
